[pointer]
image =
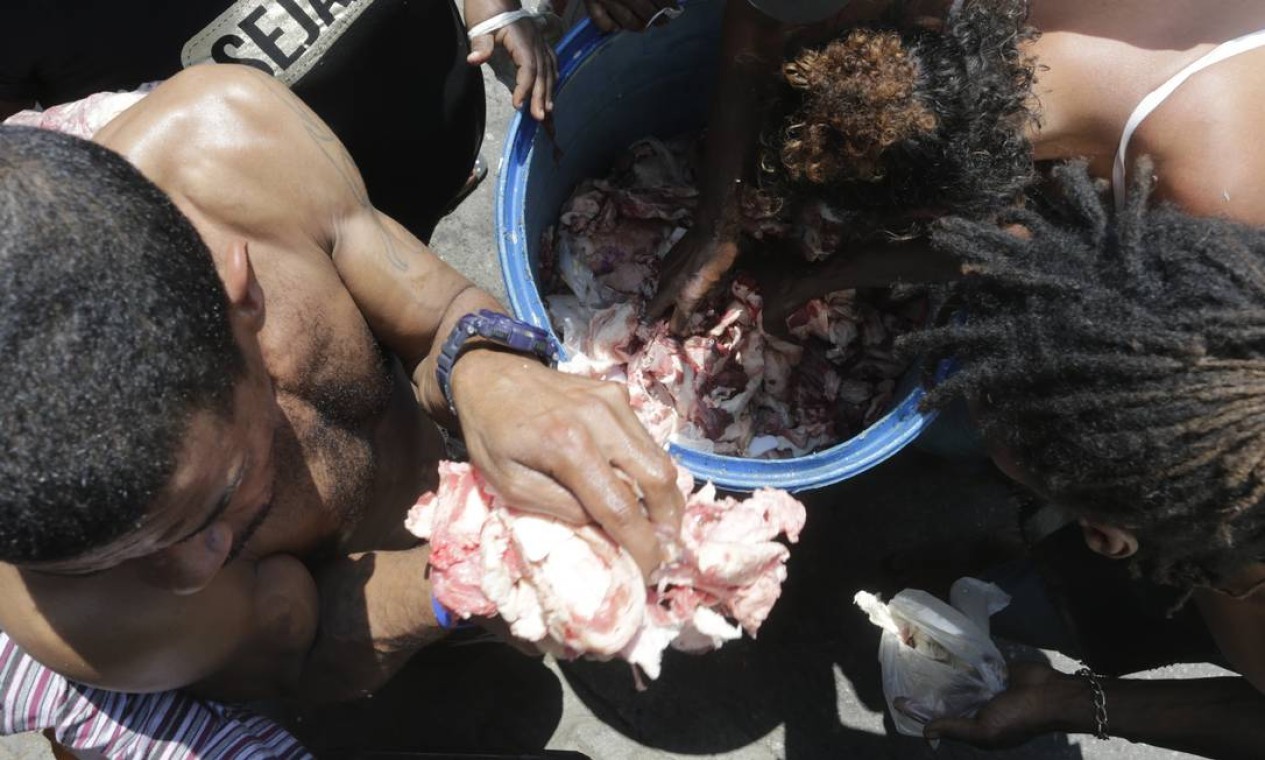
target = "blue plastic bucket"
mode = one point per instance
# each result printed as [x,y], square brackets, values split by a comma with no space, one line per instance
[612,91]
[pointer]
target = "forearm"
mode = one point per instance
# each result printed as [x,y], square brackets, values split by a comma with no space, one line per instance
[409,297]
[751,52]
[1213,717]
[375,614]
[429,394]
[874,265]
[478,11]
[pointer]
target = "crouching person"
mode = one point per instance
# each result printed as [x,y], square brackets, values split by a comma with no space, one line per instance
[1114,362]
[223,374]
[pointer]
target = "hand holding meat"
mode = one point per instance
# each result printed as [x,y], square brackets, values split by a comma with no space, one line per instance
[532,56]
[572,591]
[568,447]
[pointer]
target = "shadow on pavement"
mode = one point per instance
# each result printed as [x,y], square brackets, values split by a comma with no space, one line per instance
[918,521]
[457,696]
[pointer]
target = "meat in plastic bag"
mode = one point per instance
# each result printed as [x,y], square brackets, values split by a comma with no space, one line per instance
[937,656]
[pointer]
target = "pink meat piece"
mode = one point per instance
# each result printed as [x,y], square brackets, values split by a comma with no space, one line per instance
[612,334]
[810,320]
[628,278]
[574,592]
[653,163]
[83,117]
[780,360]
[459,556]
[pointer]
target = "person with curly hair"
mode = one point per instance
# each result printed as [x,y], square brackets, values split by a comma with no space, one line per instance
[895,113]
[1114,360]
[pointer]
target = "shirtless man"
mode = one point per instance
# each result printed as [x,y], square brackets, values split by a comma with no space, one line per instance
[1094,63]
[254,546]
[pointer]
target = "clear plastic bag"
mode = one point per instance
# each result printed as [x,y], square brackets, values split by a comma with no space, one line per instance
[938,657]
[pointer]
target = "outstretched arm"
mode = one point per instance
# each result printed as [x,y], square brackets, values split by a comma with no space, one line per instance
[550,442]
[1213,717]
[787,284]
[751,50]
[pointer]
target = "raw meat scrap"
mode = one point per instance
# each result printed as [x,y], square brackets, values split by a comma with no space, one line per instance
[81,118]
[728,387]
[573,591]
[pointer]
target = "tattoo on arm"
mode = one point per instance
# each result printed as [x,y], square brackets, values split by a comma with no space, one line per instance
[336,153]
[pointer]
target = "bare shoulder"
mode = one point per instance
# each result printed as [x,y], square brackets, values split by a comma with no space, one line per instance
[1207,150]
[237,142]
[1205,141]
[156,640]
[1207,185]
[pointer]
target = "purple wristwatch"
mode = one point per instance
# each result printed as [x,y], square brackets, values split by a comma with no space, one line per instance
[503,330]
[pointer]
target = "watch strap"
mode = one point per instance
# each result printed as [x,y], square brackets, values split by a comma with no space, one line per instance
[500,329]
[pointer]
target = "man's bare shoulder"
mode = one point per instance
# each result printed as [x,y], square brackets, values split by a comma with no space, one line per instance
[156,640]
[239,146]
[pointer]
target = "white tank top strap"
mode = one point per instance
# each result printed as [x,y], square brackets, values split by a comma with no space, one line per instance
[1221,52]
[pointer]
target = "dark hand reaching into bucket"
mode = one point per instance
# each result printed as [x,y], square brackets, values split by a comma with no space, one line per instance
[751,48]
[537,65]
[691,270]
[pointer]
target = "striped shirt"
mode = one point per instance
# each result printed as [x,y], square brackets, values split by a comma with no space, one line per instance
[165,726]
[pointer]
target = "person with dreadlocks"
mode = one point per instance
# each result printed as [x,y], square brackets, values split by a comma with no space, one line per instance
[907,111]
[1115,362]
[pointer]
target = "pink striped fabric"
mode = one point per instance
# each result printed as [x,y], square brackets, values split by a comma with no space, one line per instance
[166,726]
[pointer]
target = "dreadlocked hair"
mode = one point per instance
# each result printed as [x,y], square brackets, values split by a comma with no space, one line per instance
[893,117]
[1120,357]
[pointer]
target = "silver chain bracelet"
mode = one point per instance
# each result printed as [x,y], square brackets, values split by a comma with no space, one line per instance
[1100,702]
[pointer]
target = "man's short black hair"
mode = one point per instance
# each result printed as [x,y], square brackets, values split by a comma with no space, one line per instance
[1120,357]
[114,330]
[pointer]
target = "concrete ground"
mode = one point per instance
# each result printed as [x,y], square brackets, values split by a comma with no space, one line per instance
[808,688]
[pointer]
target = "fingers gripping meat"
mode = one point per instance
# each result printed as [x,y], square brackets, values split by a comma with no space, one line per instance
[573,591]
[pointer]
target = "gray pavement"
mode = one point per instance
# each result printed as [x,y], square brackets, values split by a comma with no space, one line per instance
[808,688]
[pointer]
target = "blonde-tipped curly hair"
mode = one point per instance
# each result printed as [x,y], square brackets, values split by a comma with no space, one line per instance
[858,99]
[895,123]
